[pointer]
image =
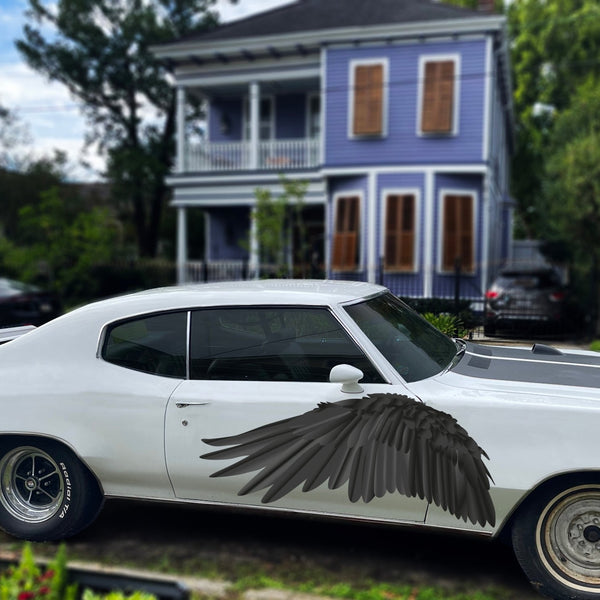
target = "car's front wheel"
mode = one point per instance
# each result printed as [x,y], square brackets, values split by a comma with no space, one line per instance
[556,539]
[46,493]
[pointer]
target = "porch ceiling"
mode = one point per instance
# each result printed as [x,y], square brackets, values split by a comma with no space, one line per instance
[239,88]
[226,191]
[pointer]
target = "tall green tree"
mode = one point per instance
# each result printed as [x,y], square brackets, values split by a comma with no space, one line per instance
[22,184]
[571,190]
[555,47]
[14,136]
[100,50]
[57,244]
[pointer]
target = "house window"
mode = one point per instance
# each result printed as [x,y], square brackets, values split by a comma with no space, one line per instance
[154,344]
[346,233]
[458,234]
[271,344]
[438,97]
[400,225]
[368,103]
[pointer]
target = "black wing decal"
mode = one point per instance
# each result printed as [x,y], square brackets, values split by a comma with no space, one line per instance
[378,444]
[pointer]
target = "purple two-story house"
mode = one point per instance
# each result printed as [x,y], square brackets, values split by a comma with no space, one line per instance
[396,113]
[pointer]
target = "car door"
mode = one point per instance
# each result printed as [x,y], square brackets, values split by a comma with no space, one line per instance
[253,368]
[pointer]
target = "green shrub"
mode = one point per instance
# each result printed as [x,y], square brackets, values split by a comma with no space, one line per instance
[448,324]
[28,581]
[89,595]
[595,346]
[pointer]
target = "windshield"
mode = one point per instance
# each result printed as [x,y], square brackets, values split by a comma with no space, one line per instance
[415,348]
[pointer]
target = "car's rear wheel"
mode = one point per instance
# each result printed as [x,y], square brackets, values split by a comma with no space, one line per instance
[46,493]
[556,539]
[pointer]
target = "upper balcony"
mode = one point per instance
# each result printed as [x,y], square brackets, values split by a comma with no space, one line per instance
[268,155]
[254,125]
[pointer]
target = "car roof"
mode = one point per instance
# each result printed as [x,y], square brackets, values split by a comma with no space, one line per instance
[77,332]
[527,271]
[254,292]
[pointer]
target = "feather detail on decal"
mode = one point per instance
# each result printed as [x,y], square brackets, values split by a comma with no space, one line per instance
[378,444]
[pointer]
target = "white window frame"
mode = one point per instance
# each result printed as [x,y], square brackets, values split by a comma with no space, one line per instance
[443,192]
[423,60]
[361,233]
[416,192]
[385,96]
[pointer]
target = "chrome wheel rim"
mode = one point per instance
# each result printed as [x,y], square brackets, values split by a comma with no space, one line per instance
[568,538]
[32,484]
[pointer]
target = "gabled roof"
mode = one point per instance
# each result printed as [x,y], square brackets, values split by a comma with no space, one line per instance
[318,15]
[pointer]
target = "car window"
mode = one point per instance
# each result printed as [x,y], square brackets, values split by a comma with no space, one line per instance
[530,281]
[272,344]
[414,348]
[153,344]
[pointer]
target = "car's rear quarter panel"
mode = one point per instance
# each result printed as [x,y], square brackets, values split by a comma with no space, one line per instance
[54,385]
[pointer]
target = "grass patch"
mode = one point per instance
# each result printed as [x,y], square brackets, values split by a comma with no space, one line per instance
[374,591]
[298,576]
[248,564]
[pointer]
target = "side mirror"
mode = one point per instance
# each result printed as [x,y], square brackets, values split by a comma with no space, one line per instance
[348,376]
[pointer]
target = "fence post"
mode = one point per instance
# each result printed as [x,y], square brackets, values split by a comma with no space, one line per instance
[457,276]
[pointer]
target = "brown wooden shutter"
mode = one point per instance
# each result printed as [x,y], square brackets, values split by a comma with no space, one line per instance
[458,233]
[400,232]
[438,97]
[345,237]
[368,100]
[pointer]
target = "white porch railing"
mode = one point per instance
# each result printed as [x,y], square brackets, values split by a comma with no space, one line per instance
[272,155]
[218,270]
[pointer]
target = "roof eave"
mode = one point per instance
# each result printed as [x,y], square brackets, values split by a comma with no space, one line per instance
[198,48]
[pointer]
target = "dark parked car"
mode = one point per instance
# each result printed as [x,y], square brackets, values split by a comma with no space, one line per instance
[25,304]
[525,297]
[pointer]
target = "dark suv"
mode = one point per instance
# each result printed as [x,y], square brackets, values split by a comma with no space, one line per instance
[524,298]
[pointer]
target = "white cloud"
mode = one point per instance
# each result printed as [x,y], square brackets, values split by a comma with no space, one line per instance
[245,8]
[21,87]
[52,116]
[74,148]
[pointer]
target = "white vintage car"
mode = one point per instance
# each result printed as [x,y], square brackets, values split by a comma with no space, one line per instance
[325,398]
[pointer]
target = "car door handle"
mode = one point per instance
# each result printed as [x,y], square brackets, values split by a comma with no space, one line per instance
[186,404]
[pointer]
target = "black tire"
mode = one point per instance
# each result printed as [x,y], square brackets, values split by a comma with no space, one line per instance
[556,539]
[46,493]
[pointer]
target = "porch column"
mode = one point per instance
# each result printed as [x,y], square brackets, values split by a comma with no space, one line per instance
[181,245]
[254,123]
[180,163]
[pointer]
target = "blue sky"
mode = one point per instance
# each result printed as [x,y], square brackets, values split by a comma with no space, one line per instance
[51,114]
